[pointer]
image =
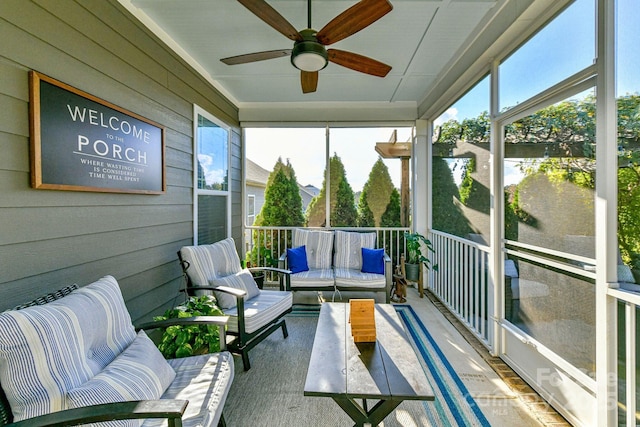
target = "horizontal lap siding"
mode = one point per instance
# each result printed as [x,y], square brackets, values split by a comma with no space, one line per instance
[49,239]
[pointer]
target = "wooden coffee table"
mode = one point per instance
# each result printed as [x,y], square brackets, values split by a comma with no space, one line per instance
[387,371]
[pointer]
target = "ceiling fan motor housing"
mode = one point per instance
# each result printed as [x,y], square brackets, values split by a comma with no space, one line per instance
[308,54]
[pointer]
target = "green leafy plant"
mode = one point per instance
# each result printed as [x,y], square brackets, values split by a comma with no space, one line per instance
[413,242]
[183,341]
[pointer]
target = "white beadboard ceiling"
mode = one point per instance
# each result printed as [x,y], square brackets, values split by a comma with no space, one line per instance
[418,38]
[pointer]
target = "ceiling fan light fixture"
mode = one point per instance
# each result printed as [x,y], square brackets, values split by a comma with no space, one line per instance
[309,56]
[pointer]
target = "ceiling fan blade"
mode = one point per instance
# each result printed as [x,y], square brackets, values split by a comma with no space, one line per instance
[257,56]
[358,62]
[268,14]
[352,20]
[309,80]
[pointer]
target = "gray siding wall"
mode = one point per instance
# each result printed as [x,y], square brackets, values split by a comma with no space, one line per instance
[49,239]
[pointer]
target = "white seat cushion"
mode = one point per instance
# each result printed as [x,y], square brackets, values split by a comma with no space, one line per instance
[260,310]
[349,246]
[204,381]
[314,278]
[350,278]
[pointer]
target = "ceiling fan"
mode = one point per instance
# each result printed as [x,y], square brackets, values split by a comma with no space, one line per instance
[309,54]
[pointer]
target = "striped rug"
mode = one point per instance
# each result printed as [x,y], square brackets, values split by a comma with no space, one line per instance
[271,392]
[453,405]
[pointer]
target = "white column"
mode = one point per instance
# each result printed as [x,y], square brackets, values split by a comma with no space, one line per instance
[606,217]
[421,179]
[496,215]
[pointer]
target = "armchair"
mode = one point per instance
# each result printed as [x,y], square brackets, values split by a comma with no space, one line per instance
[253,313]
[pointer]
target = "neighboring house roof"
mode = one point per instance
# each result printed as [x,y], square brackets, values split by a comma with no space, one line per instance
[257,176]
[312,189]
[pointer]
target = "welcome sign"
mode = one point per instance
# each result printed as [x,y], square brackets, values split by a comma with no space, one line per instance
[82,143]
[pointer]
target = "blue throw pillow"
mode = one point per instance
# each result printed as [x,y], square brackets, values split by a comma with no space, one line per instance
[373,261]
[297,258]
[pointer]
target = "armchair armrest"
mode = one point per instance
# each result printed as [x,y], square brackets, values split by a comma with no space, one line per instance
[169,409]
[388,275]
[276,270]
[221,321]
[282,264]
[283,273]
[238,293]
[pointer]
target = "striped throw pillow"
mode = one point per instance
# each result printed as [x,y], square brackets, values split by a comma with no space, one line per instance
[49,349]
[242,280]
[208,262]
[139,373]
[349,248]
[319,246]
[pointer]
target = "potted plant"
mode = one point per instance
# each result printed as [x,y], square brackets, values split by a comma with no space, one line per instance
[183,341]
[415,257]
[257,257]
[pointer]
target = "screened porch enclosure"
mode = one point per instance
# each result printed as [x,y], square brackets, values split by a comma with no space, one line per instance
[526,185]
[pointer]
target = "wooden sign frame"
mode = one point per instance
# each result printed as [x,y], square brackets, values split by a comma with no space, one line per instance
[79,142]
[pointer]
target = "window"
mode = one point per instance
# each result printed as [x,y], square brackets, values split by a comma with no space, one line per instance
[211,179]
[544,61]
[460,166]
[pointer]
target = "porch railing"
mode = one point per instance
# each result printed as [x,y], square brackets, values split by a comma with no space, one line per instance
[628,303]
[274,241]
[462,282]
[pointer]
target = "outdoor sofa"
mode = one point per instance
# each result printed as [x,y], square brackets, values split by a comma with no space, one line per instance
[74,357]
[336,261]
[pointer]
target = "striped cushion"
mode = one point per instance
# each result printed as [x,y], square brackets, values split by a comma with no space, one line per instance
[242,280]
[349,248]
[138,373]
[49,349]
[260,310]
[319,246]
[208,262]
[313,279]
[350,278]
[205,382]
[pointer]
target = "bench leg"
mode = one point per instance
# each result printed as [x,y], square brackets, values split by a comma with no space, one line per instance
[285,332]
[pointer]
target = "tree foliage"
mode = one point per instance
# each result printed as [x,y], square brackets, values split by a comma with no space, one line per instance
[377,190]
[567,129]
[365,216]
[391,216]
[342,199]
[282,207]
[282,201]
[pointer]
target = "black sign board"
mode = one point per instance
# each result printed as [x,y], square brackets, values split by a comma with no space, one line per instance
[82,143]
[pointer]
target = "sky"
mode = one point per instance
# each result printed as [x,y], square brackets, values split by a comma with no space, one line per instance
[531,69]
[305,149]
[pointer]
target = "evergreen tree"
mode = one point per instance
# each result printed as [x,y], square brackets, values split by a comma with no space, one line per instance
[450,220]
[340,194]
[391,217]
[282,207]
[378,189]
[344,215]
[282,201]
[365,216]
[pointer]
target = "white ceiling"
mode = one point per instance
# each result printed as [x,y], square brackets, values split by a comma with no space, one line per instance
[418,38]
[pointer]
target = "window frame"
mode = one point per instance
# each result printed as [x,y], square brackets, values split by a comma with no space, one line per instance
[199,111]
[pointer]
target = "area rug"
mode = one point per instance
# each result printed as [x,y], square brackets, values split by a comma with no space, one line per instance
[453,401]
[271,392]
